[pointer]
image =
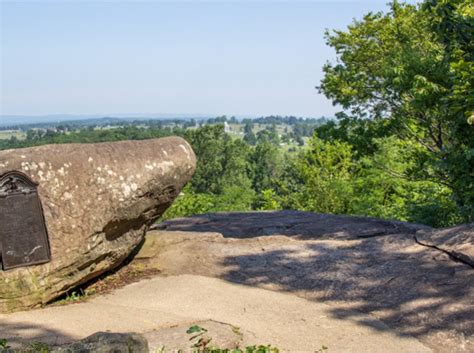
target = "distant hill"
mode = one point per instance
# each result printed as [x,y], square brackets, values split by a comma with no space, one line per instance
[10,120]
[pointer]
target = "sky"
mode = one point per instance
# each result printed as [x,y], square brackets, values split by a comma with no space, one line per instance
[242,58]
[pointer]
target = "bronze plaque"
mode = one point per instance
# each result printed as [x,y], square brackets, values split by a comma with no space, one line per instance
[23,234]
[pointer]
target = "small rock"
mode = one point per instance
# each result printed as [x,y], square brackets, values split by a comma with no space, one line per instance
[106,342]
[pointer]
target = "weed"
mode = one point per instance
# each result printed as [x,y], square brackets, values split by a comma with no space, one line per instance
[4,344]
[236,330]
[39,347]
[202,340]
[74,297]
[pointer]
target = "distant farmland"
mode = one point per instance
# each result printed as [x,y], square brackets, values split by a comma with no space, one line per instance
[7,134]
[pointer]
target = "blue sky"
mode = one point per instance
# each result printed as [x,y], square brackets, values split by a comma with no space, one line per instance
[212,58]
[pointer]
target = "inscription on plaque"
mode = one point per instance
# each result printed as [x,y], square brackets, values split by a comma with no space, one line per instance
[23,234]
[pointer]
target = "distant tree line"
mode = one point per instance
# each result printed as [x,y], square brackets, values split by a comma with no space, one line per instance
[334,173]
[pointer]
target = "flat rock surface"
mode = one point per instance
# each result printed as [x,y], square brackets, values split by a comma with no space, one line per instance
[456,241]
[358,265]
[162,308]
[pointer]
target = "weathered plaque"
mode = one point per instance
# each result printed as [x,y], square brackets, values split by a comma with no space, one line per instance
[23,234]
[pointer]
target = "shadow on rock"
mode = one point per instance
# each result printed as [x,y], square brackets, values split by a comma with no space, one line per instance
[298,224]
[416,290]
[359,264]
[23,334]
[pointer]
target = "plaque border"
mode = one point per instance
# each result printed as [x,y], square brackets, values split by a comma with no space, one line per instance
[32,184]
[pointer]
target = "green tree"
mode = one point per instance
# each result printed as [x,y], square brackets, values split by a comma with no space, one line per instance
[266,167]
[326,174]
[383,187]
[402,66]
[250,138]
[209,144]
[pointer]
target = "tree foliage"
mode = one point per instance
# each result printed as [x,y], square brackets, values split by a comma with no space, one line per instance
[413,67]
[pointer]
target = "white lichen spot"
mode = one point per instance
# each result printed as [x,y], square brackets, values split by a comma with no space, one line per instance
[121,178]
[49,175]
[99,169]
[134,187]
[67,196]
[148,167]
[165,166]
[61,171]
[126,190]
[165,153]
[183,147]
[23,156]
[42,165]
[90,159]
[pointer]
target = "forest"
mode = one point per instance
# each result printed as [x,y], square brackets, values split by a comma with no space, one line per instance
[402,146]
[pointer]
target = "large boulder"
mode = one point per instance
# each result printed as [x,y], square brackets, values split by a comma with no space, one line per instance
[98,201]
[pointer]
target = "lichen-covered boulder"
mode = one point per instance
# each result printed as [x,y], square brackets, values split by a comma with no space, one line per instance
[98,201]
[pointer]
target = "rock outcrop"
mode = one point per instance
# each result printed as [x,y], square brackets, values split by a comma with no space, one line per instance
[416,279]
[457,242]
[98,202]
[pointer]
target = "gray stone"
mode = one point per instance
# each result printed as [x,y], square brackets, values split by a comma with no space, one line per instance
[458,241]
[357,264]
[107,342]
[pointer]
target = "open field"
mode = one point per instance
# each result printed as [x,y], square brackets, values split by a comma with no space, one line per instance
[7,134]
